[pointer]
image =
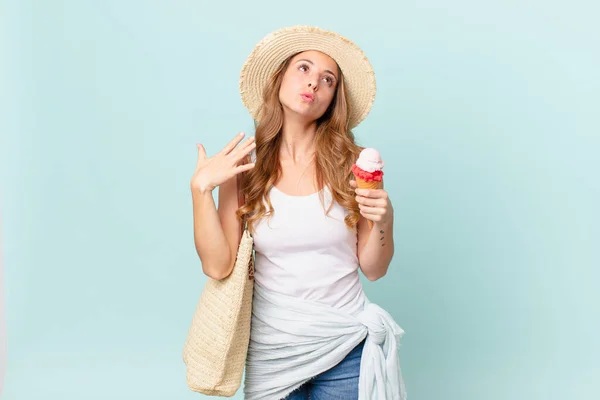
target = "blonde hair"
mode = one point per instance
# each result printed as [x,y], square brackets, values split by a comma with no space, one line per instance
[335,153]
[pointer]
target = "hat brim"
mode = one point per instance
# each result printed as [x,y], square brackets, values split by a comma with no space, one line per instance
[273,49]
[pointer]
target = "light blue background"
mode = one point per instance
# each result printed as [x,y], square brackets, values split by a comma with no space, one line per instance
[487,115]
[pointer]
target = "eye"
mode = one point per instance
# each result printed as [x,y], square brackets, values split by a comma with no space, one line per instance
[328,80]
[303,67]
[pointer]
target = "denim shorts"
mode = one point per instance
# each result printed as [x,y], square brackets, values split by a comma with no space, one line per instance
[337,383]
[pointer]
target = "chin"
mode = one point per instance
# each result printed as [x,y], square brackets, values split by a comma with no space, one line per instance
[301,111]
[306,117]
[310,111]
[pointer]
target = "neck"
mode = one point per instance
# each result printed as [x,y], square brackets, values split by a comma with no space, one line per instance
[298,140]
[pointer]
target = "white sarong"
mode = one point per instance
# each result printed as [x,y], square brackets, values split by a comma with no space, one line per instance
[293,340]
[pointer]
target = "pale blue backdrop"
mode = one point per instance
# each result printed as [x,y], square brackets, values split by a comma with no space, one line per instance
[487,114]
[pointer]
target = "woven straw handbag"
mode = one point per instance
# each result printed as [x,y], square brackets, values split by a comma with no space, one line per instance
[217,341]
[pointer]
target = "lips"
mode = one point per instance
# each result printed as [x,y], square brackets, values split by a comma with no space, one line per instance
[308,97]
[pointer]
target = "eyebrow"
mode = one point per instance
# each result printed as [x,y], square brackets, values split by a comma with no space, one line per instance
[312,63]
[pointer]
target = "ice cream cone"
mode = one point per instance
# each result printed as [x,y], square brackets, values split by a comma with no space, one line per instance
[362,184]
[368,171]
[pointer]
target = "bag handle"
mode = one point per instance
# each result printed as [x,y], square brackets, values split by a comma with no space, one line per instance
[244,225]
[241,200]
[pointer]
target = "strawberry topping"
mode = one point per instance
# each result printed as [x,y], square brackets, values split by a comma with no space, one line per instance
[366,175]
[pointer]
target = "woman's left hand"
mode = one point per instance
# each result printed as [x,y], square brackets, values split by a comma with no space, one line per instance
[374,204]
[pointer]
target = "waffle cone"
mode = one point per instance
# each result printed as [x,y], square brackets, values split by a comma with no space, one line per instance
[362,184]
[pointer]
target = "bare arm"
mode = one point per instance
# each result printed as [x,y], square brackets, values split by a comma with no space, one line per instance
[375,248]
[375,245]
[217,232]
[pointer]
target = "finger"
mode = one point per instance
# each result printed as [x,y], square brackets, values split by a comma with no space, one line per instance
[353,184]
[243,152]
[244,168]
[201,154]
[371,217]
[371,202]
[372,193]
[231,145]
[371,210]
[244,147]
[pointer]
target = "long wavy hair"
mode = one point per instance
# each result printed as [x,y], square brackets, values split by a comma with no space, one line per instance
[335,153]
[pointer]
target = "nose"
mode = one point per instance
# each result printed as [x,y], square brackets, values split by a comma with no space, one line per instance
[312,84]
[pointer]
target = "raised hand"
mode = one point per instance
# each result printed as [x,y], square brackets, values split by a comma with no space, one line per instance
[213,171]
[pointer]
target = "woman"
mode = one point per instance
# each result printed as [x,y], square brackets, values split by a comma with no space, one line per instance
[314,333]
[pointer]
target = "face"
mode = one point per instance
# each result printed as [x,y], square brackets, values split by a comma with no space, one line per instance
[308,85]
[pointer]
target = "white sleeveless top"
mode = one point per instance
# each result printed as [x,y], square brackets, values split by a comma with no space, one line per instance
[304,253]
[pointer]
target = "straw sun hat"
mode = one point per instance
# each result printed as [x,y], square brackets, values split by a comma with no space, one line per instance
[277,46]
